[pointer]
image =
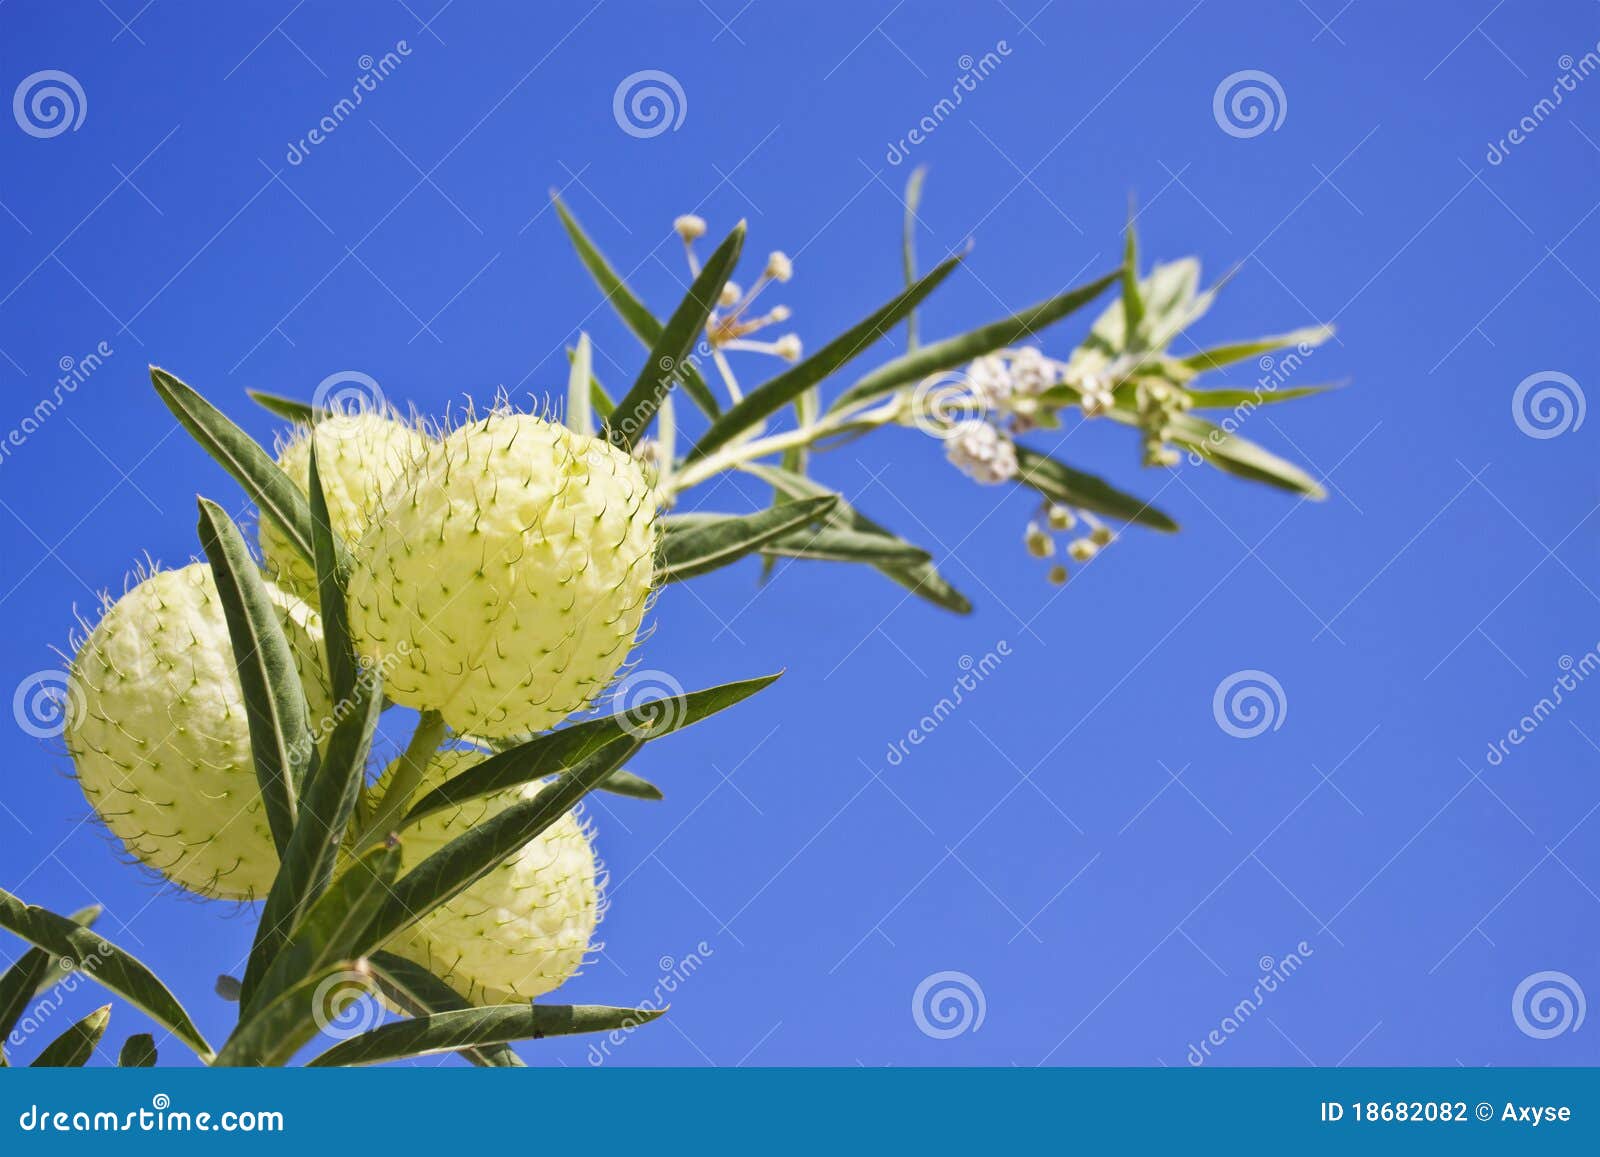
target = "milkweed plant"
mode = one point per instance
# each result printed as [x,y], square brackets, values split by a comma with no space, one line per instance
[491,573]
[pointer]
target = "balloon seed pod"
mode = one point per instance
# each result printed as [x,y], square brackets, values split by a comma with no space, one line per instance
[504,578]
[359,455]
[158,735]
[525,928]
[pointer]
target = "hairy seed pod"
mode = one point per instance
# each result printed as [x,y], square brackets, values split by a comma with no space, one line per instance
[157,730]
[523,929]
[359,455]
[504,579]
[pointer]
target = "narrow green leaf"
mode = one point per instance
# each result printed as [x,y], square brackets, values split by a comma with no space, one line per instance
[59,968]
[469,857]
[73,1048]
[332,580]
[275,703]
[300,412]
[908,244]
[669,354]
[1229,399]
[287,1023]
[621,782]
[634,315]
[1225,355]
[1239,456]
[419,992]
[769,397]
[273,491]
[332,928]
[839,544]
[697,549]
[920,578]
[1061,483]
[17,988]
[138,1052]
[824,543]
[580,389]
[324,813]
[556,751]
[1132,298]
[1168,295]
[957,351]
[445,1032]
[102,962]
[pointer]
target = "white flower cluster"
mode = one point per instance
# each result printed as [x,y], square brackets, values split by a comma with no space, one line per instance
[1012,381]
[1011,386]
[981,452]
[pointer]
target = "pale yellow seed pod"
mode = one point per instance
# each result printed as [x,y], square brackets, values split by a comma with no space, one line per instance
[157,730]
[505,577]
[523,929]
[359,455]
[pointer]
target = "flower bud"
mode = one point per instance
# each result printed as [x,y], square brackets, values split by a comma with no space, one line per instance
[689,227]
[788,347]
[1101,536]
[505,577]
[731,293]
[779,267]
[157,731]
[1061,517]
[1082,550]
[1039,544]
[523,929]
[1057,575]
[358,456]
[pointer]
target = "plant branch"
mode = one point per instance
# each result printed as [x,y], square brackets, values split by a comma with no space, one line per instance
[843,422]
[425,741]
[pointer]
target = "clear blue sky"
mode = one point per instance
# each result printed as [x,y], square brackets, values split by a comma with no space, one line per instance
[1037,842]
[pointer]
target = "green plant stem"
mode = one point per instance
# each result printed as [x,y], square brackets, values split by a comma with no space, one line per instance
[425,741]
[844,422]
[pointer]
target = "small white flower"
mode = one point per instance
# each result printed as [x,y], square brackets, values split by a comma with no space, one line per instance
[689,226]
[779,267]
[1082,549]
[1032,372]
[731,293]
[1096,394]
[787,347]
[981,452]
[990,381]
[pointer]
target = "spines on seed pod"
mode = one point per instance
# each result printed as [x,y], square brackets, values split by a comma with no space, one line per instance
[359,455]
[157,731]
[504,579]
[526,927]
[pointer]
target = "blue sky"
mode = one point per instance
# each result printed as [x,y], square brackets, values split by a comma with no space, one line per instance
[1081,839]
